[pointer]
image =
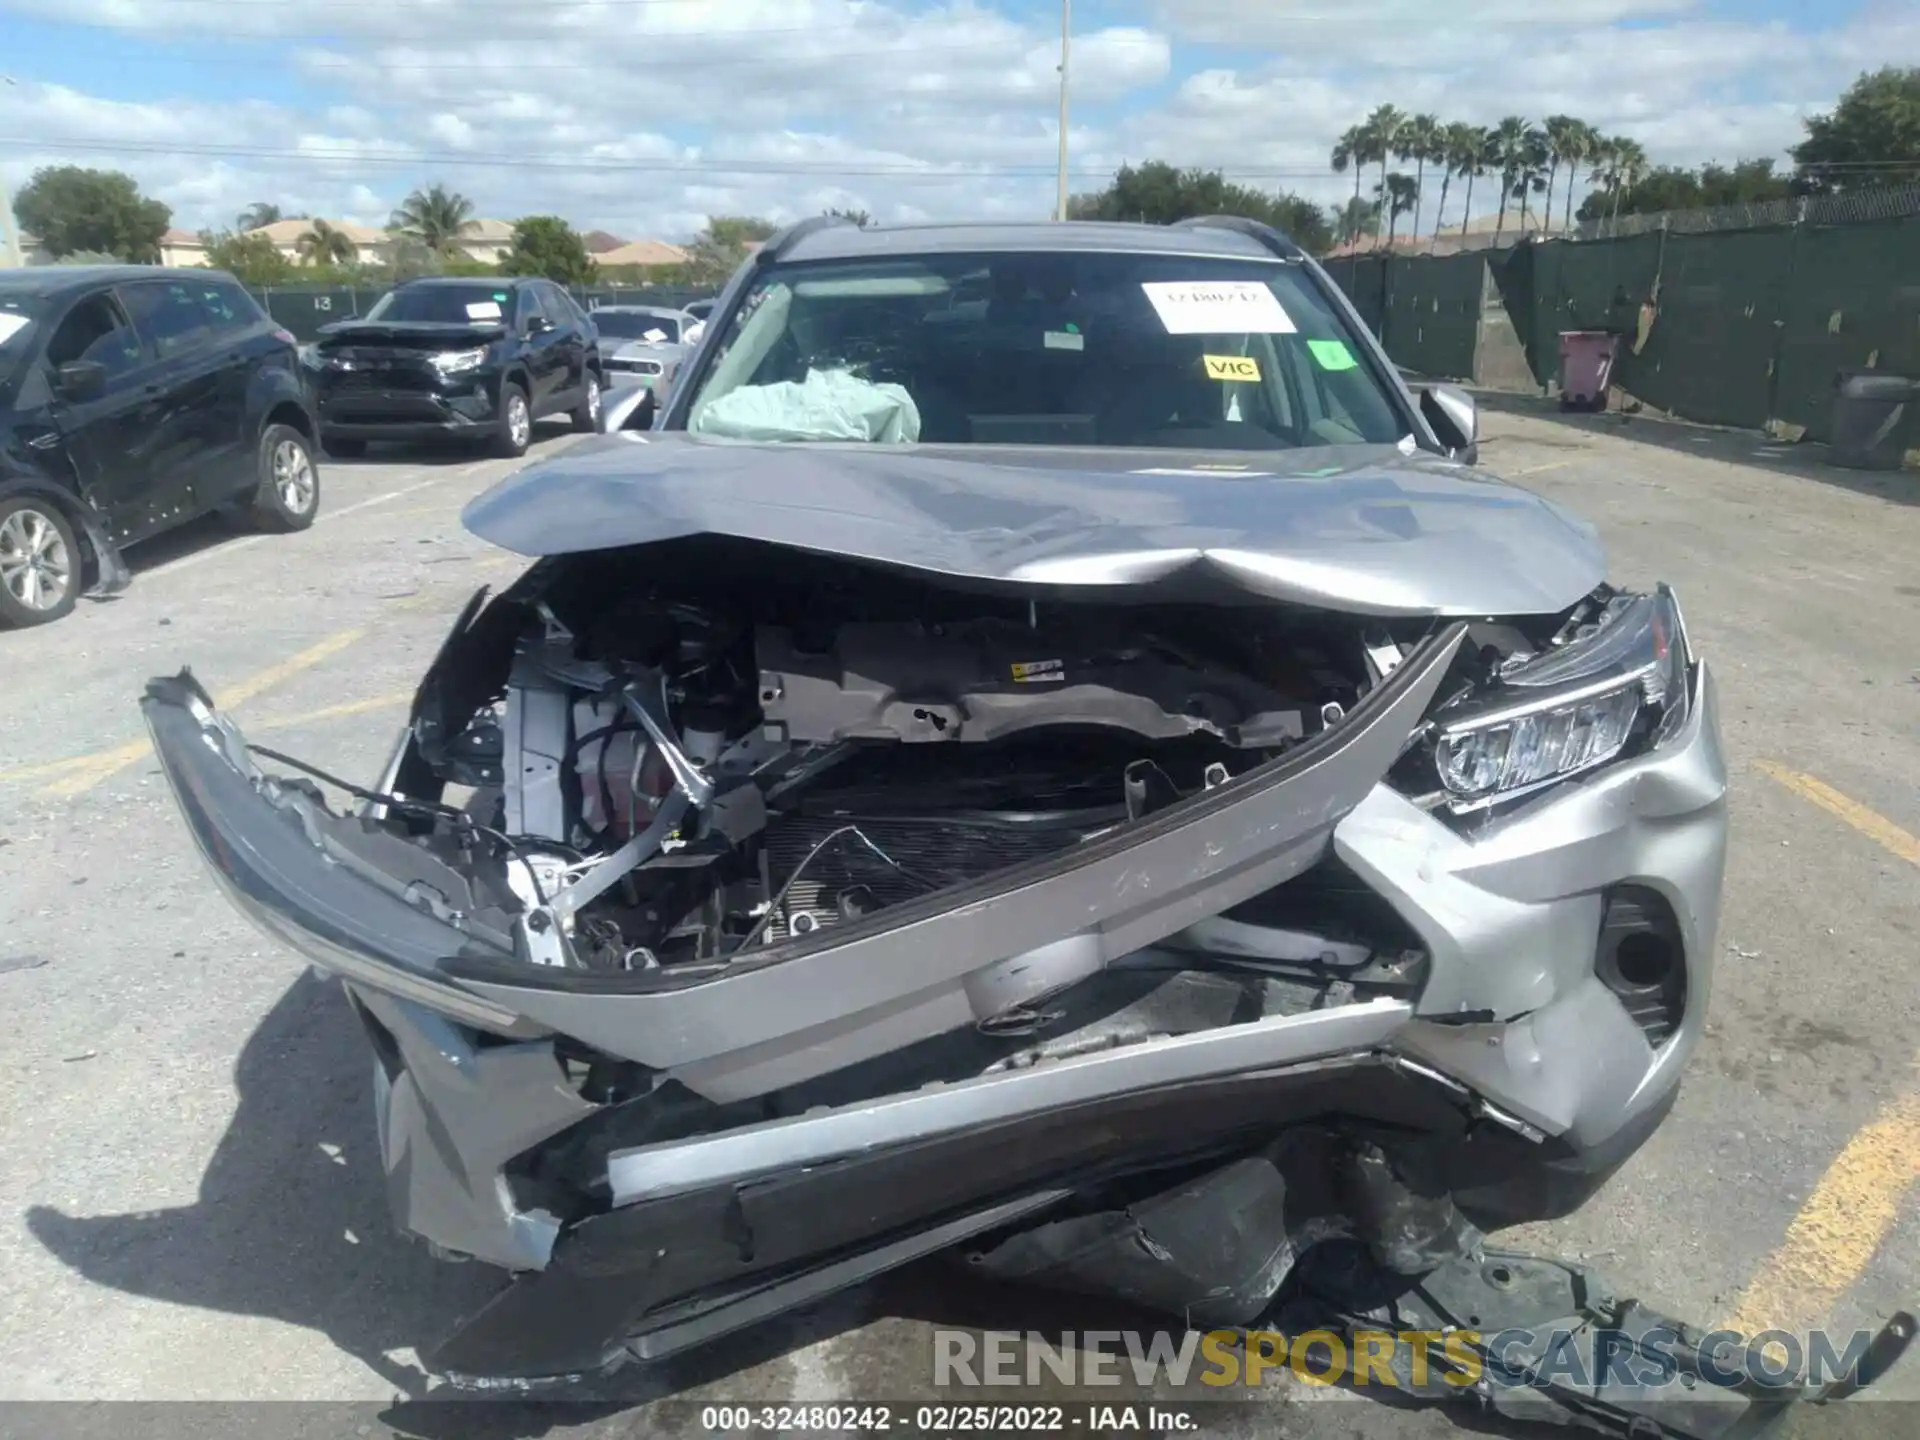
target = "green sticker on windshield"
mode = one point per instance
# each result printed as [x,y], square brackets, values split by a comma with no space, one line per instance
[501,296]
[1332,354]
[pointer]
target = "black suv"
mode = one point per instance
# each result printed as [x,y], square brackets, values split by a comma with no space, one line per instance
[133,399]
[484,358]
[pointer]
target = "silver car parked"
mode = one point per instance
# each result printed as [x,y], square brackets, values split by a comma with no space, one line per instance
[643,345]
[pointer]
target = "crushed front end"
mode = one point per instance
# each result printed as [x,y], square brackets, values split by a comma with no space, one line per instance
[725,943]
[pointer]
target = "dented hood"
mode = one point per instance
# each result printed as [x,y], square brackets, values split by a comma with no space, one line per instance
[1363,529]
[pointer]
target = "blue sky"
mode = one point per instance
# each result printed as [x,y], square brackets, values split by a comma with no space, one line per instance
[642,116]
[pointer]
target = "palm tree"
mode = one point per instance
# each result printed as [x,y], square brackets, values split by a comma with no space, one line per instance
[1506,149]
[1382,130]
[1399,194]
[1563,148]
[324,245]
[1354,219]
[1419,141]
[1350,152]
[261,212]
[1603,156]
[435,216]
[1476,145]
[1449,150]
[1629,168]
[1530,177]
[1574,148]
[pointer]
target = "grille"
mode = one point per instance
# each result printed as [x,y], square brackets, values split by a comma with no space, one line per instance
[931,853]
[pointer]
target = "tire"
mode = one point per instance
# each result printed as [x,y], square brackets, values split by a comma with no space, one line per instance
[39,563]
[288,496]
[515,430]
[346,449]
[587,417]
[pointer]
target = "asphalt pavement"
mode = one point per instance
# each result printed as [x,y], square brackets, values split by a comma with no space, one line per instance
[189,1204]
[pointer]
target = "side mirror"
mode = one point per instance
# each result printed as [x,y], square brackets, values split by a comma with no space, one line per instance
[539,325]
[80,380]
[1454,417]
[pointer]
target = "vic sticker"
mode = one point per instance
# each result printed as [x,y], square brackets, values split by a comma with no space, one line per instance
[1219,307]
[1231,367]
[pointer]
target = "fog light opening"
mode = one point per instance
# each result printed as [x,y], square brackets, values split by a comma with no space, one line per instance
[1644,959]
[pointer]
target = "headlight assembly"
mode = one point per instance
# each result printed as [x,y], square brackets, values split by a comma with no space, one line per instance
[456,362]
[1622,680]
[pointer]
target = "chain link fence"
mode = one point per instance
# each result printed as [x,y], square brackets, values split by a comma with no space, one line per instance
[1882,202]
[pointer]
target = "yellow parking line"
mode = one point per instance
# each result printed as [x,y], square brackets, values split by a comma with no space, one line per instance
[1833,1239]
[1875,827]
[1843,1223]
[83,773]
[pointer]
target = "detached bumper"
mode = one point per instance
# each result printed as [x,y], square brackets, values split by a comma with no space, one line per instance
[375,413]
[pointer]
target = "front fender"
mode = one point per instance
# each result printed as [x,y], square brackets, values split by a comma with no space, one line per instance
[272,387]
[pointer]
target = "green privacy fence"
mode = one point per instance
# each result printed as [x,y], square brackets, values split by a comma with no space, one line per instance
[303,309]
[1742,327]
[1425,309]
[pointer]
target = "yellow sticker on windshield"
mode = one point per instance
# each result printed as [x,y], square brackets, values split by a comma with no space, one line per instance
[1231,367]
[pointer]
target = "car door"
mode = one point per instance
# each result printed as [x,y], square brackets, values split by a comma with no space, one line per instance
[197,445]
[238,341]
[545,350]
[579,343]
[108,440]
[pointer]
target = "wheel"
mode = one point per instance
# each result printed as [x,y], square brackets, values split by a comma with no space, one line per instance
[346,449]
[587,417]
[516,423]
[39,562]
[289,493]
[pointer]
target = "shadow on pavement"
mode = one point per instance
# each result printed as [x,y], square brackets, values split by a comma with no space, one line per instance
[282,1229]
[1747,448]
[291,1224]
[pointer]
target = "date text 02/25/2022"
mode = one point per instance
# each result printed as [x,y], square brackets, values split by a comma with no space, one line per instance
[945,1419]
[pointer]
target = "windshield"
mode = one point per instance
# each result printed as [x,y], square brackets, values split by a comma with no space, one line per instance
[17,314]
[1162,351]
[636,325]
[479,303]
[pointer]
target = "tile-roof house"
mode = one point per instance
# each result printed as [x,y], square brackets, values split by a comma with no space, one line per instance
[645,254]
[598,242]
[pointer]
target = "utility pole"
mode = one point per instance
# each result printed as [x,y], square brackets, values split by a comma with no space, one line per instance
[1066,43]
[14,256]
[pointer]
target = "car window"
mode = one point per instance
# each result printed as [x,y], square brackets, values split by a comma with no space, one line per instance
[637,325]
[96,330]
[557,307]
[170,315]
[1161,351]
[229,309]
[528,307]
[482,302]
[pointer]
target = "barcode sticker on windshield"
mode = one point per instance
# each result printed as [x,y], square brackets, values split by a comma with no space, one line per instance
[484,310]
[1217,307]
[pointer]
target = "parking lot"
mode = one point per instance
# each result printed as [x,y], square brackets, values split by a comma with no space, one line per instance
[190,1206]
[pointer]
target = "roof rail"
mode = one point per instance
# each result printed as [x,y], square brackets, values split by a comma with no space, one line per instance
[1278,243]
[796,232]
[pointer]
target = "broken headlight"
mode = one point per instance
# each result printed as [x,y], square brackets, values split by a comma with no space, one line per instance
[1620,678]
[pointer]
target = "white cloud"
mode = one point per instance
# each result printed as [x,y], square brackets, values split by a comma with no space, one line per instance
[642,119]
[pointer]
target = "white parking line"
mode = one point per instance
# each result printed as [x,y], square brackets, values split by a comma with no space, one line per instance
[214,552]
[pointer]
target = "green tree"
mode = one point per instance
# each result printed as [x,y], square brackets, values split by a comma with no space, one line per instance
[1566,145]
[72,208]
[1506,154]
[1669,187]
[547,245]
[1156,193]
[1382,132]
[1350,153]
[719,249]
[1872,137]
[88,257]
[251,258]
[261,212]
[1530,175]
[1419,141]
[434,216]
[1457,148]
[1355,218]
[1400,194]
[858,217]
[1470,163]
[325,247]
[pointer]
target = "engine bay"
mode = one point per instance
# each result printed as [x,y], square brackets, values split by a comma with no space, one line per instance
[684,765]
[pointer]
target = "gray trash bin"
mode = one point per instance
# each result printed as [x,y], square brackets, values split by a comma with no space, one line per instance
[1872,419]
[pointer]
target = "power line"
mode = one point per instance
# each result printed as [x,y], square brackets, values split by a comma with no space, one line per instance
[675,62]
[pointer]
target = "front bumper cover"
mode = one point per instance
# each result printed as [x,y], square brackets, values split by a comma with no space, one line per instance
[1527,1079]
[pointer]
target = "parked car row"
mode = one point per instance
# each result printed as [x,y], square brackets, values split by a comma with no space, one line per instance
[135,399]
